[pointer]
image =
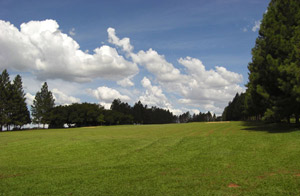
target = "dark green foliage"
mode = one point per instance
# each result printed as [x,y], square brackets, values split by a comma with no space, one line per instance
[156,115]
[273,89]
[120,113]
[113,117]
[122,107]
[185,117]
[274,82]
[20,113]
[13,108]
[235,109]
[76,115]
[4,99]
[58,117]
[138,114]
[201,117]
[84,114]
[87,114]
[214,117]
[42,106]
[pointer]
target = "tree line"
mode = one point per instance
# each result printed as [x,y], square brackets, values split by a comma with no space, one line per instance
[45,112]
[120,113]
[14,111]
[201,117]
[273,90]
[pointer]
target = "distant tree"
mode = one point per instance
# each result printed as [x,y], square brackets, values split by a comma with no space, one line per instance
[19,112]
[13,108]
[93,114]
[214,118]
[101,119]
[157,115]
[209,117]
[123,113]
[84,114]
[235,109]
[138,112]
[113,117]
[185,117]
[201,117]
[4,99]
[219,118]
[58,117]
[118,105]
[74,115]
[42,106]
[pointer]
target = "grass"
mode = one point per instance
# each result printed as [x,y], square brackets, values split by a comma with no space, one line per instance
[233,158]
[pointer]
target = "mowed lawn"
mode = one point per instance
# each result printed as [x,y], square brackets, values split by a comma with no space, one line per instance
[178,159]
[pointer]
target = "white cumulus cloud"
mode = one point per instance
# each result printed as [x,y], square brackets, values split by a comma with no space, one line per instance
[106,95]
[214,86]
[40,47]
[63,99]
[154,96]
[29,99]
[256,26]
[154,62]
[198,87]
[157,65]
[123,43]
[126,82]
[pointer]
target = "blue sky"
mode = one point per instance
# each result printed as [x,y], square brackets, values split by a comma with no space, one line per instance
[178,55]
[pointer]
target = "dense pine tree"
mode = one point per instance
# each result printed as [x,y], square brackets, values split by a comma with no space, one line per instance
[42,105]
[4,97]
[138,112]
[19,111]
[274,82]
[235,109]
[13,108]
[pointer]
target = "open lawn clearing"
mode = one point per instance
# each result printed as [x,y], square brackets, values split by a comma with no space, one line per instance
[233,158]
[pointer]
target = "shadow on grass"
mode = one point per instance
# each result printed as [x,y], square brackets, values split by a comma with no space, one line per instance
[270,127]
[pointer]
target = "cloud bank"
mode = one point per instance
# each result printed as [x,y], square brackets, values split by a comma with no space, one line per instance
[41,48]
[198,87]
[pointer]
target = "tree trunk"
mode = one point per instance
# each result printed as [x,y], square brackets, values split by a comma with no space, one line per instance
[288,119]
[297,118]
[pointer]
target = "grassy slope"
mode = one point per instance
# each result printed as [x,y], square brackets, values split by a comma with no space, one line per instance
[176,159]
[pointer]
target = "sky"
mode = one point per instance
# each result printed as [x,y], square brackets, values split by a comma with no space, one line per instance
[178,55]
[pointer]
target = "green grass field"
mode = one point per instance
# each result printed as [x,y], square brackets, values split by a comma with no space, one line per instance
[177,159]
